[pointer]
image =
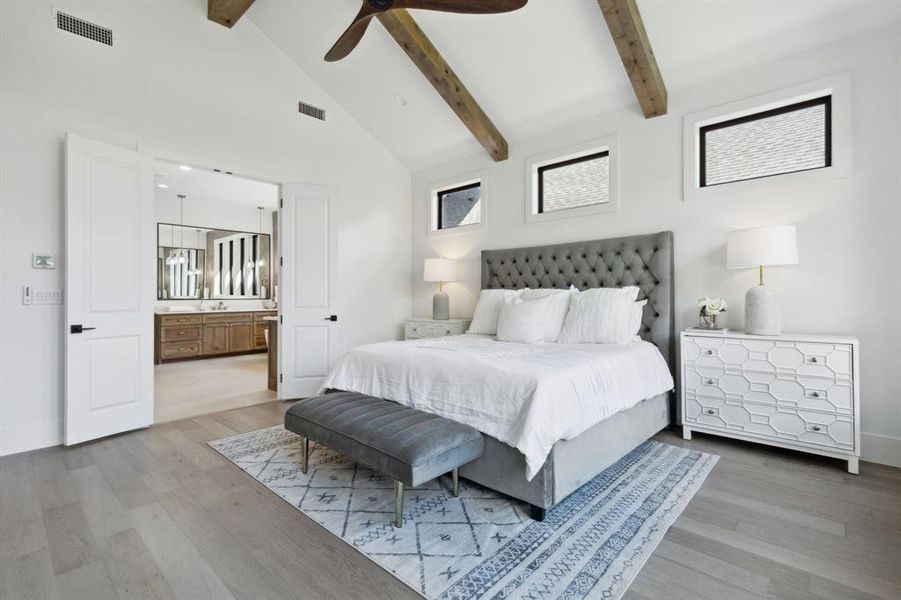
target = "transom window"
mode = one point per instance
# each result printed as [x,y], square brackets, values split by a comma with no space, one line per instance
[459,206]
[574,183]
[788,139]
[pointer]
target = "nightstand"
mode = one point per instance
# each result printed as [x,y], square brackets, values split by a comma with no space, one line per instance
[794,391]
[428,328]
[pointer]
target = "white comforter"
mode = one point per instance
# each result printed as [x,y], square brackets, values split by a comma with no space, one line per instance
[527,395]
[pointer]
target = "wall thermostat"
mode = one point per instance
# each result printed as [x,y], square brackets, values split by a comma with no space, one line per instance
[43,261]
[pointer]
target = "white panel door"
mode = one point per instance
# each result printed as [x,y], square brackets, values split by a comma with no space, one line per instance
[110,289]
[306,282]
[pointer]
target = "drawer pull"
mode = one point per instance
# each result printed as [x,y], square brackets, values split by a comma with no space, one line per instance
[814,394]
[710,411]
[447,332]
[709,382]
[815,428]
[710,352]
[813,359]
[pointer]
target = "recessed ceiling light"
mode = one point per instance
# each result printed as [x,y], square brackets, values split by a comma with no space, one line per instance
[162,185]
[400,100]
[184,167]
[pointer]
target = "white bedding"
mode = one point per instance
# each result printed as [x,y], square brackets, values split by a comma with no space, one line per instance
[529,396]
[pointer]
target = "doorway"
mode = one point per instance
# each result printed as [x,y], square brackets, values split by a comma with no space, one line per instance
[216,290]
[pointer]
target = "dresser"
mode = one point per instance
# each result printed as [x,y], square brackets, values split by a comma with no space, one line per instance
[794,391]
[427,328]
[205,334]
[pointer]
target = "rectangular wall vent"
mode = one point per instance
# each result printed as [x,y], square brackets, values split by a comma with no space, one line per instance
[311,111]
[84,28]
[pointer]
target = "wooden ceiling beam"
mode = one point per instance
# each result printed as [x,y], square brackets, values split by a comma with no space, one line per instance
[429,61]
[631,39]
[227,12]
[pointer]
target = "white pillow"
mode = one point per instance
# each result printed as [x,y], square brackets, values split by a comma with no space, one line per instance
[484,319]
[601,316]
[637,311]
[521,321]
[556,315]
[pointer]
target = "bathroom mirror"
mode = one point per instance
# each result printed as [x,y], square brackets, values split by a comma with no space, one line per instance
[202,263]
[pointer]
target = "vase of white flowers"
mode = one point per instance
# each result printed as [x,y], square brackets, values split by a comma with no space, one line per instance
[710,309]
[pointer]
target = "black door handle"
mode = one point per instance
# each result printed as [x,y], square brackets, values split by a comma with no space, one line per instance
[332,318]
[79,328]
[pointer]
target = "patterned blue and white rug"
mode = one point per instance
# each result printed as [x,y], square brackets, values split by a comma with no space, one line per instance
[483,544]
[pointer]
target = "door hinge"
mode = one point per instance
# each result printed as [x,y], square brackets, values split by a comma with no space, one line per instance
[281,261]
[281,320]
[281,377]
[281,203]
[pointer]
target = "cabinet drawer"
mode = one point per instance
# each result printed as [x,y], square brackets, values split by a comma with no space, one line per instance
[824,394]
[179,349]
[175,334]
[227,317]
[424,329]
[167,320]
[815,359]
[259,316]
[771,422]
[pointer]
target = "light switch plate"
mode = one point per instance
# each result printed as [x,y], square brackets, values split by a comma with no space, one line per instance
[27,295]
[43,261]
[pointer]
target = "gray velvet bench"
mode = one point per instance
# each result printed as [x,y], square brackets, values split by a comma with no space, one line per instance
[406,444]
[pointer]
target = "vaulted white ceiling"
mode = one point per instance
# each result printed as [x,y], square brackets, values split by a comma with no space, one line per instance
[550,63]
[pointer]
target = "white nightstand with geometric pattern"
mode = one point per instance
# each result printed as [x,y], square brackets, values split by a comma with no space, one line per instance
[428,328]
[795,391]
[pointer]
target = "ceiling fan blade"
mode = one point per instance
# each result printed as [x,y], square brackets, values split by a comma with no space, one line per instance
[462,6]
[352,35]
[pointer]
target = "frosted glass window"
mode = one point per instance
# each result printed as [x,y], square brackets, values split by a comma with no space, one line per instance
[574,183]
[460,206]
[788,139]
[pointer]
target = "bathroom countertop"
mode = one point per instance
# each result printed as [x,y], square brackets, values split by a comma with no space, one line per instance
[207,310]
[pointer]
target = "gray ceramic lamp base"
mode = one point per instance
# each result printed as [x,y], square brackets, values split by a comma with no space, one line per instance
[441,307]
[761,311]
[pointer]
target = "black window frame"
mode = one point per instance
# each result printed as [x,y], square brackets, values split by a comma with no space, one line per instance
[825,101]
[439,200]
[558,165]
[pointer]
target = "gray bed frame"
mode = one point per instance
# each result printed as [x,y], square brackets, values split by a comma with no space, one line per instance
[645,261]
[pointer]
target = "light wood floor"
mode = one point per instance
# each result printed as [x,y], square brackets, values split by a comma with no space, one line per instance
[157,514]
[191,388]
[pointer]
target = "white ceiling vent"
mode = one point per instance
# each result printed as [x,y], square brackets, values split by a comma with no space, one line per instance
[84,28]
[311,111]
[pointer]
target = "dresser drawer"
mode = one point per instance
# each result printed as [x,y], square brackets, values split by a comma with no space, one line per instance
[425,329]
[176,334]
[816,359]
[771,422]
[167,320]
[826,394]
[180,349]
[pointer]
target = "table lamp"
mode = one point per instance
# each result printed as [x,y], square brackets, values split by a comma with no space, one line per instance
[758,248]
[440,270]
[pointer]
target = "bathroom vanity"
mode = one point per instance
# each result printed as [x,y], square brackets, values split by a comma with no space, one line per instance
[180,335]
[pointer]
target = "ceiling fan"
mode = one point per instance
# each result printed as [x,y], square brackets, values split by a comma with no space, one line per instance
[354,33]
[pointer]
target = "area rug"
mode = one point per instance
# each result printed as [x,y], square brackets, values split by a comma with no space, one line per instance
[483,544]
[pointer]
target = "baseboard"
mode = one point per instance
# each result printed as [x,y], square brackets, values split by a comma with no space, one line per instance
[22,438]
[882,449]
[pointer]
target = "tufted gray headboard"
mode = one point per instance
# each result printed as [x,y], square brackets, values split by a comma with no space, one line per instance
[642,260]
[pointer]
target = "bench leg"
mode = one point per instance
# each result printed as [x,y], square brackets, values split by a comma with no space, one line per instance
[398,503]
[455,475]
[305,455]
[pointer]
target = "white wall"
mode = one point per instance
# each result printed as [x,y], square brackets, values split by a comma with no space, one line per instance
[177,81]
[848,279]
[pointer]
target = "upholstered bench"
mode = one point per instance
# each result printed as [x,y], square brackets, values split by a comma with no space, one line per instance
[406,444]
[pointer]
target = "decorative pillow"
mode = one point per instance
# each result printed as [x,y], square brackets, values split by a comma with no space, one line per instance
[559,305]
[484,319]
[521,321]
[601,316]
[637,312]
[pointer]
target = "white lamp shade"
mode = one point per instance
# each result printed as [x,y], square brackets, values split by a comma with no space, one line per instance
[440,269]
[762,246]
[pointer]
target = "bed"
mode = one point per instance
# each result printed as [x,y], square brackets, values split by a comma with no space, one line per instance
[541,472]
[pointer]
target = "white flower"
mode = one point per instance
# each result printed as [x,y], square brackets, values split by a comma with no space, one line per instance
[712,306]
